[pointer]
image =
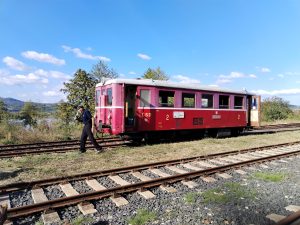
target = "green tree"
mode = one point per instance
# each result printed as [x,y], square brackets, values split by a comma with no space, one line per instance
[81,89]
[155,74]
[100,71]
[29,113]
[275,108]
[3,111]
[65,113]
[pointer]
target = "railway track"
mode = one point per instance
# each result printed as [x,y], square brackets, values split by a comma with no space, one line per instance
[7,151]
[278,126]
[146,176]
[58,146]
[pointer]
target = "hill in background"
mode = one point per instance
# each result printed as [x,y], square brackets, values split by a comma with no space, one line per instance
[15,105]
[294,107]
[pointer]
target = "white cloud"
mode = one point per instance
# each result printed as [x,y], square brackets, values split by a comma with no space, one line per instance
[51,93]
[280,75]
[14,63]
[143,56]
[30,78]
[223,79]
[59,75]
[39,76]
[213,85]
[132,73]
[186,80]
[54,94]
[233,75]
[53,74]
[43,57]
[3,72]
[292,91]
[79,54]
[265,70]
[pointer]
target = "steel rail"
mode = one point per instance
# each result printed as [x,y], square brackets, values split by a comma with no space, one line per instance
[12,153]
[274,126]
[51,181]
[270,131]
[48,144]
[40,147]
[66,201]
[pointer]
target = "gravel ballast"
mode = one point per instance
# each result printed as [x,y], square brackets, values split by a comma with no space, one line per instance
[252,200]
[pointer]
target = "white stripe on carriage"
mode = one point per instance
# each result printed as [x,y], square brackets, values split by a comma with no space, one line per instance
[109,107]
[199,109]
[170,108]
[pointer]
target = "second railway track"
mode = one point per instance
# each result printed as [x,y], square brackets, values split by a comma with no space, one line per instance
[7,151]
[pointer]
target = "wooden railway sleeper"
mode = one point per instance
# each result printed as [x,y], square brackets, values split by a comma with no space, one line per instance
[292,219]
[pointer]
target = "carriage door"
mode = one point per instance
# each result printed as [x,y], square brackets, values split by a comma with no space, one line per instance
[130,95]
[254,110]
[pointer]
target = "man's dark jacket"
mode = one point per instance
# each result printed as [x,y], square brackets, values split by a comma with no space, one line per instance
[87,117]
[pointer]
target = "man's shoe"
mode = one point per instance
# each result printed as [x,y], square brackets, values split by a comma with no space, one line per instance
[82,151]
[99,150]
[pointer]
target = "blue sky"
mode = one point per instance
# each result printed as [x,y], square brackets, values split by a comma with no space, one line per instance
[231,44]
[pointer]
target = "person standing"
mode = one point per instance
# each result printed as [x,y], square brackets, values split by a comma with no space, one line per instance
[87,130]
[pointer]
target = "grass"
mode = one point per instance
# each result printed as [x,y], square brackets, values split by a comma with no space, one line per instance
[43,166]
[191,197]
[142,217]
[227,193]
[82,220]
[270,177]
[39,223]
[17,134]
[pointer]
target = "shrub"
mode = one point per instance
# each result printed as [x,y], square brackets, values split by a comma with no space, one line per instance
[275,108]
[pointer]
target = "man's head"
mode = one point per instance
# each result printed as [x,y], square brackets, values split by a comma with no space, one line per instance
[80,108]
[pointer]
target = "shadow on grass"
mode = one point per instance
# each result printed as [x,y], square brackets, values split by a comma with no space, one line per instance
[11,174]
[101,223]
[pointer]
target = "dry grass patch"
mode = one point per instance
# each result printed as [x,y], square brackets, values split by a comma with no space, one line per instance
[51,165]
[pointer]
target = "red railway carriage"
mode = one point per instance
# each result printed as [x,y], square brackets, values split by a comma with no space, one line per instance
[142,107]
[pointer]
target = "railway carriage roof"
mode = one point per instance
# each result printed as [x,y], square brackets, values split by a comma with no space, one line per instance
[169,84]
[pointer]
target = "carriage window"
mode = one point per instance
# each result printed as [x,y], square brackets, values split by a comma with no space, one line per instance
[188,100]
[144,98]
[207,101]
[109,97]
[254,103]
[97,98]
[223,102]
[238,102]
[166,98]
